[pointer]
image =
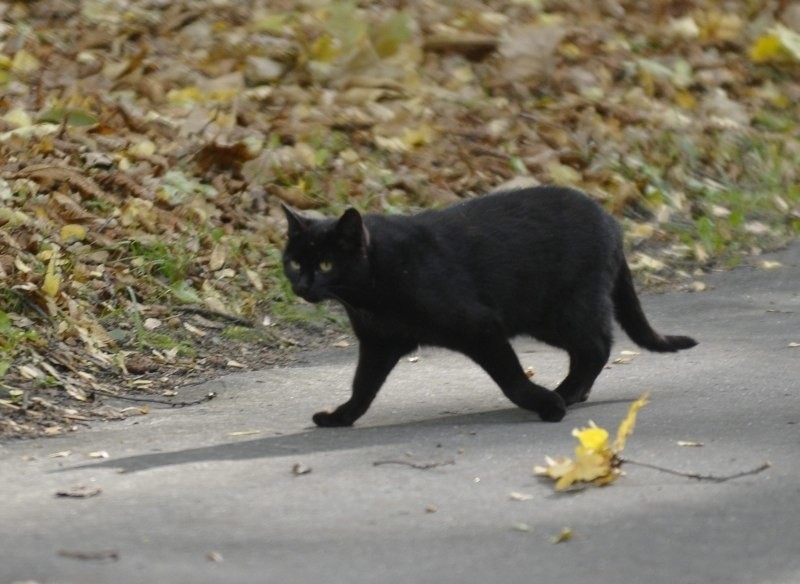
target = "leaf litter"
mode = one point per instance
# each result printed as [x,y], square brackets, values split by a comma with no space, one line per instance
[144,148]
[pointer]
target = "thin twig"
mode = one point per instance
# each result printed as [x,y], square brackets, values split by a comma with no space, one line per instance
[700,477]
[8,404]
[417,465]
[214,314]
[155,400]
[90,555]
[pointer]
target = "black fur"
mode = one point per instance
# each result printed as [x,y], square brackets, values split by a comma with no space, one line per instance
[545,262]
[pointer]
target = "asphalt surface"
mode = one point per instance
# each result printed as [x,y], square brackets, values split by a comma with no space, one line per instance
[208,493]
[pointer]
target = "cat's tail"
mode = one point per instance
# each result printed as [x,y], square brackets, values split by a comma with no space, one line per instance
[631,318]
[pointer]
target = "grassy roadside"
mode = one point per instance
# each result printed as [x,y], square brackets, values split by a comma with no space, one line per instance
[144,149]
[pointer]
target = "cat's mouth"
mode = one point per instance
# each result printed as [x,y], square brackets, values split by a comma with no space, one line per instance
[309,295]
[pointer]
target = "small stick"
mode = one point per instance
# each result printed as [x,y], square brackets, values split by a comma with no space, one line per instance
[417,465]
[154,400]
[700,477]
[9,405]
[90,555]
[214,314]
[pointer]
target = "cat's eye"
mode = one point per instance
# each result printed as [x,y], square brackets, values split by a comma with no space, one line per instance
[325,266]
[294,265]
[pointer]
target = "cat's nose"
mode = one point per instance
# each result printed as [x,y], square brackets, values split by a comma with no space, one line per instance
[301,288]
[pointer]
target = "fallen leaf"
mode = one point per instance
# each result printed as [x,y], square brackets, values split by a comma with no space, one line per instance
[70,116]
[596,462]
[217,259]
[244,433]
[255,280]
[218,157]
[690,443]
[51,282]
[73,232]
[566,534]
[514,496]
[30,372]
[300,469]
[769,265]
[780,44]
[17,118]
[137,364]
[24,63]
[194,330]
[627,425]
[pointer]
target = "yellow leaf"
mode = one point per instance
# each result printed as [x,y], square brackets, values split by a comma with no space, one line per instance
[18,118]
[566,481]
[143,148]
[185,96]
[24,63]
[685,99]
[324,50]
[604,480]
[626,426]
[562,173]
[592,438]
[418,136]
[51,281]
[590,465]
[565,535]
[556,467]
[766,48]
[595,461]
[73,231]
[780,44]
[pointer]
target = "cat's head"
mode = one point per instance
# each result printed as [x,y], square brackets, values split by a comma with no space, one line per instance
[327,258]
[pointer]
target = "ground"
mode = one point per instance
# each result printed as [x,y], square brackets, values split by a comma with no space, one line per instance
[145,149]
[435,482]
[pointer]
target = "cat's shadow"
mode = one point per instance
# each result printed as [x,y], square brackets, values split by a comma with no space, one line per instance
[313,440]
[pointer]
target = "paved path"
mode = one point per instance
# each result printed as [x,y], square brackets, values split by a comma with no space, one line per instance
[195,492]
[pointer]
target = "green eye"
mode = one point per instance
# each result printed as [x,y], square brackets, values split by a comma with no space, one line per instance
[294,265]
[325,266]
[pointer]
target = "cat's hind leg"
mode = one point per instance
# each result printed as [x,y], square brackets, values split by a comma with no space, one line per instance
[588,355]
[497,357]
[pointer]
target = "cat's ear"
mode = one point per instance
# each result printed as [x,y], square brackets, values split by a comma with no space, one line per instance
[352,232]
[297,223]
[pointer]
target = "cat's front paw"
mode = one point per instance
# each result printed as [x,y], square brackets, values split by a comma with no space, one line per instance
[331,420]
[553,409]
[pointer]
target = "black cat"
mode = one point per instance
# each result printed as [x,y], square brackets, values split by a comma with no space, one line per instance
[545,262]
